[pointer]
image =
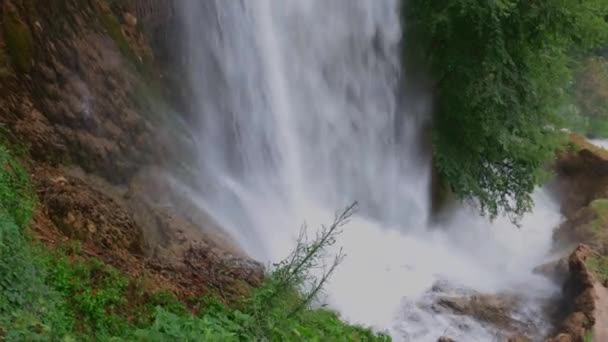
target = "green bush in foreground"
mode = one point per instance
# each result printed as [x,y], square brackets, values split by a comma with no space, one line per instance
[62,296]
[28,307]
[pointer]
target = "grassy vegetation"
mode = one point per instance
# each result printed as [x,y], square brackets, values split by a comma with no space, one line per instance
[599,266]
[600,207]
[63,296]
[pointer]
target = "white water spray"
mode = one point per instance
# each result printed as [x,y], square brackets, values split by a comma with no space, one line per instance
[299,115]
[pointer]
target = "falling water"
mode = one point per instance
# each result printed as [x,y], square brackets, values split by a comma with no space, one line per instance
[300,112]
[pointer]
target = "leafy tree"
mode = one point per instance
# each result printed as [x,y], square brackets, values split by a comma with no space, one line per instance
[501,68]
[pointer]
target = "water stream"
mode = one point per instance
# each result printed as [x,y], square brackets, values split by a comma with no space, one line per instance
[301,112]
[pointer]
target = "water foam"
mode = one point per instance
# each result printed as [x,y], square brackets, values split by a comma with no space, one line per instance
[300,112]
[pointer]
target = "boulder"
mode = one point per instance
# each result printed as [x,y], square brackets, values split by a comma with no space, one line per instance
[518,339]
[129,19]
[493,309]
[556,270]
[579,299]
[445,339]
[561,338]
[582,175]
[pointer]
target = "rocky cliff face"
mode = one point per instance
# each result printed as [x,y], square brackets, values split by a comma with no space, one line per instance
[82,93]
[582,185]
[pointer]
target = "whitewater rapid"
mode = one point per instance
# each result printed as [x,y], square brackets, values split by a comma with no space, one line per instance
[301,110]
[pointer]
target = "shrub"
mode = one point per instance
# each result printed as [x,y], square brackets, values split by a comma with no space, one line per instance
[29,309]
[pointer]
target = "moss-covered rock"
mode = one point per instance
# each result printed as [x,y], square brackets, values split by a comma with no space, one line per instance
[600,208]
[19,40]
[589,226]
[598,265]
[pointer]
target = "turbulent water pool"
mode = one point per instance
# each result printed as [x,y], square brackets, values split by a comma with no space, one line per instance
[301,111]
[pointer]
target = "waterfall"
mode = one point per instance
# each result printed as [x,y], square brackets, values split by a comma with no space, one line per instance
[300,111]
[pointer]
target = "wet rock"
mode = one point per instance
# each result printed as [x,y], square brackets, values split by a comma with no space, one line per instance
[148,194]
[518,339]
[589,225]
[129,19]
[582,176]
[84,213]
[494,309]
[575,325]
[48,73]
[185,244]
[556,270]
[68,111]
[561,338]
[445,339]
[579,299]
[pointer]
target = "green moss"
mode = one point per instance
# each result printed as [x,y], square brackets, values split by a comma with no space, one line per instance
[598,265]
[19,41]
[600,207]
[589,336]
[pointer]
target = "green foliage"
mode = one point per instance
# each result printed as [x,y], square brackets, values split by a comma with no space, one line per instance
[600,207]
[19,41]
[29,309]
[95,293]
[502,70]
[598,265]
[16,198]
